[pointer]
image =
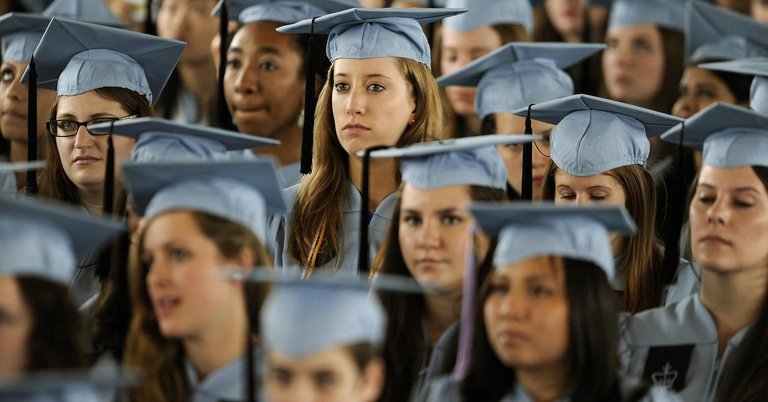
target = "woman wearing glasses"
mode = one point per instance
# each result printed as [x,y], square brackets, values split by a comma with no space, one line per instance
[97,82]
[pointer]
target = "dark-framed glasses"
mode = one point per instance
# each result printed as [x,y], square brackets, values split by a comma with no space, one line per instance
[69,127]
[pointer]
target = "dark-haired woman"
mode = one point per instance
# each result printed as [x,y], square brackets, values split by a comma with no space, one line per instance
[546,320]
[687,345]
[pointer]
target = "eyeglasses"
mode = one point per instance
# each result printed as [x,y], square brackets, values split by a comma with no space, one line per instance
[69,128]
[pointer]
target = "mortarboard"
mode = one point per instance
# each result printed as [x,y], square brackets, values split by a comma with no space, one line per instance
[164,140]
[291,11]
[335,310]
[244,191]
[668,14]
[48,239]
[93,11]
[731,136]
[490,12]
[758,66]
[519,74]
[715,33]
[21,33]
[76,57]
[528,230]
[594,135]
[363,33]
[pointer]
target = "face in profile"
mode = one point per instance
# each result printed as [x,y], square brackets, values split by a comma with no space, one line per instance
[434,234]
[372,102]
[526,314]
[729,220]
[331,375]
[633,64]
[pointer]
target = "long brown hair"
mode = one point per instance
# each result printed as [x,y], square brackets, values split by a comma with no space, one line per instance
[403,345]
[322,193]
[456,125]
[160,359]
[54,183]
[641,259]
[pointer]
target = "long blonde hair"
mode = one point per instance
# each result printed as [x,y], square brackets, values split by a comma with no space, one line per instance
[161,360]
[322,193]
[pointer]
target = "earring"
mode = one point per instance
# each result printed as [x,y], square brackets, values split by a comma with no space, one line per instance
[300,121]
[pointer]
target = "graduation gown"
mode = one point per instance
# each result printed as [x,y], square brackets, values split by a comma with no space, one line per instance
[223,385]
[676,346]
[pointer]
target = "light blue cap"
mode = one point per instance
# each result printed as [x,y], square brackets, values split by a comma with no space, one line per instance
[48,239]
[366,33]
[291,11]
[21,33]
[325,311]
[758,66]
[731,136]
[668,14]
[6,167]
[161,140]
[77,57]
[716,34]
[490,12]
[594,135]
[527,230]
[518,74]
[243,191]
[93,11]
[470,161]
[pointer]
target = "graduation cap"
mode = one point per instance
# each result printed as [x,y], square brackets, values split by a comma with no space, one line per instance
[594,135]
[364,33]
[668,14]
[21,33]
[527,230]
[730,135]
[76,57]
[336,310]
[48,239]
[6,167]
[165,140]
[490,12]
[758,66]
[519,74]
[93,11]
[715,33]
[243,191]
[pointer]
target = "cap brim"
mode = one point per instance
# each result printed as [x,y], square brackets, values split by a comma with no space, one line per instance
[65,38]
[562,54]
[144,180]
[87,233]
[449,145]
[714,118]
[22,22]
[555,110]
[134,128]
[707,23]
[21,166]
[326,23]
[62,380]
[493,217]
[757,66]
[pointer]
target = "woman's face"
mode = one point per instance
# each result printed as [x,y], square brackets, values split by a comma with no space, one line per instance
[13,120]
[729,220]
[15,327]
[457,49]
[601,189]
[760,10]
[372,103]
[566,16]
[513,154]
[189,21]
[263,82]
[327,376]
[633,64]
[700,88]
[526,314]
[84,156]
[434,232]
[183,281]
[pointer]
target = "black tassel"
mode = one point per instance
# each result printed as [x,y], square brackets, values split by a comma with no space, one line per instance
[675,212]
[250,366]
[32,126]
[149,24]
[224,118]
[362,261]
[109,178]
[310,101]
[527,190]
